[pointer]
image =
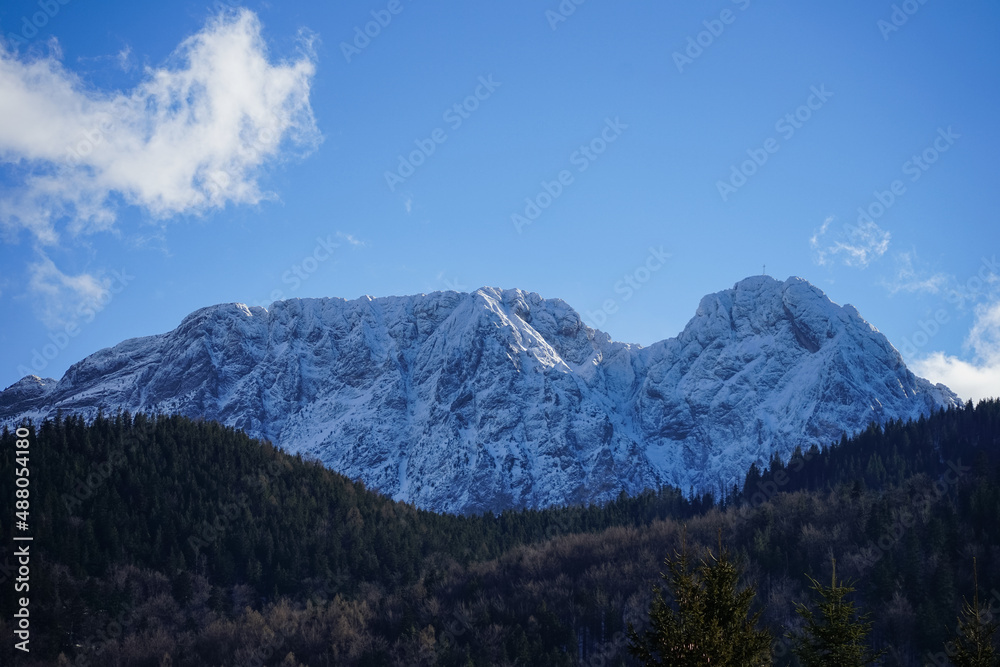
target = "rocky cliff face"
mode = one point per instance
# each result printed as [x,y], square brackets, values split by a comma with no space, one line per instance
[500,398]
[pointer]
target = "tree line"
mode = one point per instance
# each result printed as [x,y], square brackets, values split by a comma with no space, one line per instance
[166,540]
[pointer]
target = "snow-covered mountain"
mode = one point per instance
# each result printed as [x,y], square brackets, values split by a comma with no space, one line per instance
[500,398]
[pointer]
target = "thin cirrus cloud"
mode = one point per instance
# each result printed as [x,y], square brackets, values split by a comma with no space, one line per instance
[351,239]
[971,380]
[191,137]
[60,298]
[854,245]
[910,279]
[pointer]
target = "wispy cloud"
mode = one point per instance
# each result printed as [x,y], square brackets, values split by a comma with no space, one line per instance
[191,137]
[915,280]
[819,233]
[59,298]
[853,245]
[975,379]
[124,58]
[351,239]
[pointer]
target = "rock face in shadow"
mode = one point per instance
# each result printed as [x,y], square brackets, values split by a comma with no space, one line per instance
[502,399]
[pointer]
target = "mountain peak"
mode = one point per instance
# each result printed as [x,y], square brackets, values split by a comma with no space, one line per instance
[501,398]
[32,384]
[225,310]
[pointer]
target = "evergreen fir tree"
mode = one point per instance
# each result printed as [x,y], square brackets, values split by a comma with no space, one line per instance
[834,635]
[974,643]
[711,623]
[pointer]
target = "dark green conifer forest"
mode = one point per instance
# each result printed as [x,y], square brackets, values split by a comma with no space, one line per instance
[161,540]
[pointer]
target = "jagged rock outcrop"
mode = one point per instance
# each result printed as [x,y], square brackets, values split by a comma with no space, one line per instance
[500,398]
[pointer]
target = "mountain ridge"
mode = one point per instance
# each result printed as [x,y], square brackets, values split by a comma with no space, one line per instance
[498,399]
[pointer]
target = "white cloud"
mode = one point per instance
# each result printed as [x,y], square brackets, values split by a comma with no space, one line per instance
[60,298]
[191,137]
[854,245]
[814,240]
[976,379]
[911,280]
[124,58]
[350,238]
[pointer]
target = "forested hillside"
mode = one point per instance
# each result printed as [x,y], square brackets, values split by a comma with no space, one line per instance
[161,540]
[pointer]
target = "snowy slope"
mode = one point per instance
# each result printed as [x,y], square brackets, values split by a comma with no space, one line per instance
[500,398]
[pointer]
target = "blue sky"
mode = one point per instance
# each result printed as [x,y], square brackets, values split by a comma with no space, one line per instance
[628,158]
